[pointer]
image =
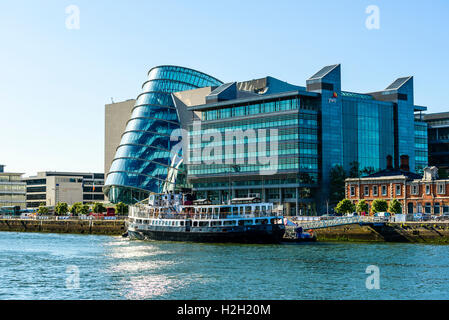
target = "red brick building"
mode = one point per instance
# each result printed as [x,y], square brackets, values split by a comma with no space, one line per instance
[417,193]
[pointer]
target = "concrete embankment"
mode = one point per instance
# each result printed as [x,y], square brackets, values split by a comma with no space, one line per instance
[413,232]
[99,227]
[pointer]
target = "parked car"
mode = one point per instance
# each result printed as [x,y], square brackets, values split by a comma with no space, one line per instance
[382,214]
[418,217]
[443,217]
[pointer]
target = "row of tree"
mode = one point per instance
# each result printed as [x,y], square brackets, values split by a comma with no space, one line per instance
[79,208]
[378,205]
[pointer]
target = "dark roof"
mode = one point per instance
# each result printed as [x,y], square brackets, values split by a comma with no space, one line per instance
[395,172]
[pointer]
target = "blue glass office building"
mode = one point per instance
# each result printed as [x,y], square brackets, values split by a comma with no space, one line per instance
[143,160]
[319,126]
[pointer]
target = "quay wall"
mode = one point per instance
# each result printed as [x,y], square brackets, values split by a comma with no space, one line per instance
[98,227]
[412,232]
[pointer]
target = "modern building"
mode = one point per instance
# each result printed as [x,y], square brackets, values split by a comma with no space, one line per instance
[438,136]
[116,116]
[143,161]
[417,193]
[12,191]
[49,188]
[283,140]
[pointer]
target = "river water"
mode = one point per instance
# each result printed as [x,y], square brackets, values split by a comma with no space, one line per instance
[60,266]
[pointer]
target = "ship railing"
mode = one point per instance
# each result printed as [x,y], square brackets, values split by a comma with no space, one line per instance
[205,216]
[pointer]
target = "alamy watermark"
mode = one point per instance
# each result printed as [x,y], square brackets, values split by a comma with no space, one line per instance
[229,148]
[72,21]
[373,280]
[72,280]
[372,22]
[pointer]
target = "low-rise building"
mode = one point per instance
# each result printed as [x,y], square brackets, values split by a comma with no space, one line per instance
[12,190]
[417,193]
[49,188]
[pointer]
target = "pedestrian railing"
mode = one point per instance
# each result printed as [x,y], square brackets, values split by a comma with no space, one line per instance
[62,218]
[337,221]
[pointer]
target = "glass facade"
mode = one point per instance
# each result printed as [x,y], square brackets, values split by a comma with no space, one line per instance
[12,191]
[368,132]
[421,146]
[296,173]
[297,138]
[143,159]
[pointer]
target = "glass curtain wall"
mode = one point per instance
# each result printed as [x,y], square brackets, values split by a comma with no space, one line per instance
[143,159]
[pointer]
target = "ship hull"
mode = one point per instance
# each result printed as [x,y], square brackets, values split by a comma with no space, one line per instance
[267,235]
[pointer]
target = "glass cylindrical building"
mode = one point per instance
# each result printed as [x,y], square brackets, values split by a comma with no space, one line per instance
[143,160]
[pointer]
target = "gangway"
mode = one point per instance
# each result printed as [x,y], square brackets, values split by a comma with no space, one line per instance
[329,223]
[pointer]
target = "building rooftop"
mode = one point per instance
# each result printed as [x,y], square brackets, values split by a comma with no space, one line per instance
[436,116]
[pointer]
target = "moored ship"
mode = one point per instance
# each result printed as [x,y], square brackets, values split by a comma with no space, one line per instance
[175,217]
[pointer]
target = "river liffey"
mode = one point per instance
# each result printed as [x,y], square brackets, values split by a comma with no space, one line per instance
[60,266]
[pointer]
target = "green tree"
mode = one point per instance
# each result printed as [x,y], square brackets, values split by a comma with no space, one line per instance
[61,208]
[75,208]
[379,205]
[362,206]
[84,209]
[354,171]
[43,210]
[98,207]
[367,171]
[337,178]
[121,208]
[345,206]
[395,207]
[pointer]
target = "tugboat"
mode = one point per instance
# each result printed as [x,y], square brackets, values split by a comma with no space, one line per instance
[176,217]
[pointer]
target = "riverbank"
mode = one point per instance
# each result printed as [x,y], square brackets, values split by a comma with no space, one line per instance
[411,232]
[97,227]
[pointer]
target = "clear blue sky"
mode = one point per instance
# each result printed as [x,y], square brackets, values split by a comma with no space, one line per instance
[54,82]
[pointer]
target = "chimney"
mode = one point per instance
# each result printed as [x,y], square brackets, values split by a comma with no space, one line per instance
[389,162]
[404,163]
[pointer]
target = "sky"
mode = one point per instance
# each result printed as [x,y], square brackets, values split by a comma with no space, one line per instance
[55,79]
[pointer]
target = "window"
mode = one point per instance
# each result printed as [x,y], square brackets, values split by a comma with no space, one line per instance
[414,188]
[437,208]
[366,191]
[428,208]
[398,189]
[441,188]
[352,191]
[384,190]
[427,189]
[375,191]
[419,208]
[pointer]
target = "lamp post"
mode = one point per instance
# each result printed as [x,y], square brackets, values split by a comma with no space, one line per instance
[236,169]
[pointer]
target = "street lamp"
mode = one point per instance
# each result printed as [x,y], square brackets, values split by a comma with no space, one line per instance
[236,168]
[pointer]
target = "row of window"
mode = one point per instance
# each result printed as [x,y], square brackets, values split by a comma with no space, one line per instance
[441,189]
[252,109]
[12,178]
[245,124]
[12,187]
[12,197]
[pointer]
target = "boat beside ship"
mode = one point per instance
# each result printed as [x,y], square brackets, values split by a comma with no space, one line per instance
[176,217]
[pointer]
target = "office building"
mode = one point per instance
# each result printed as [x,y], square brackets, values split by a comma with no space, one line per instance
[438,135]
[286,139]
[142,161]
[49,188]
[116,116]
[12,191]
